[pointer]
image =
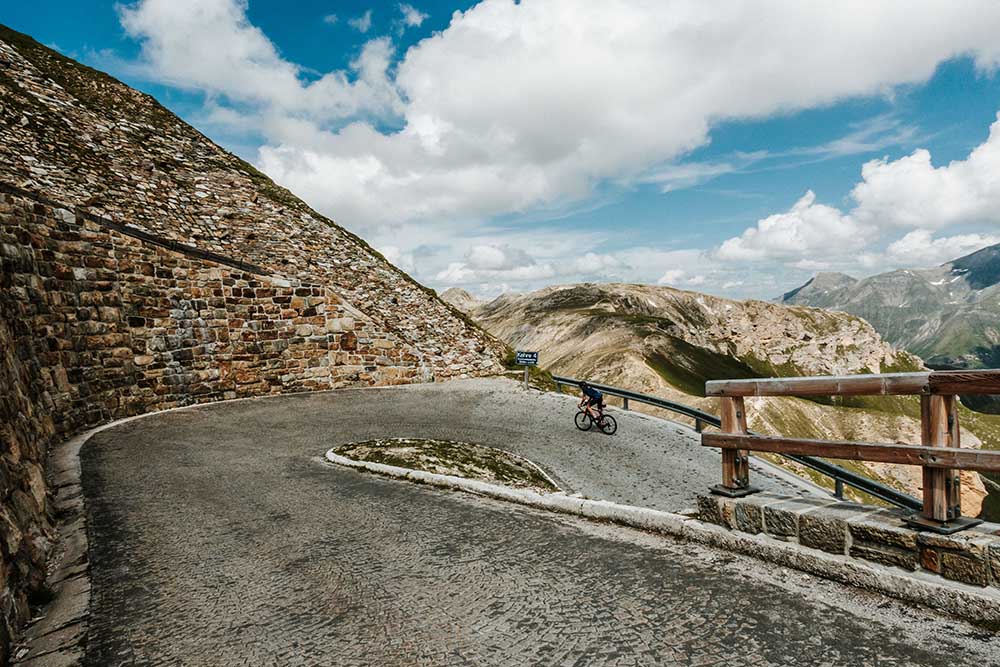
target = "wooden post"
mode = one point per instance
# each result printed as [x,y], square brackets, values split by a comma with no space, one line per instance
[935,433]
[526,377]
[942,486]
[735,462]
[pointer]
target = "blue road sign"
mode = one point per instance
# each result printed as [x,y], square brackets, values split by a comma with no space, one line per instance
[526,358]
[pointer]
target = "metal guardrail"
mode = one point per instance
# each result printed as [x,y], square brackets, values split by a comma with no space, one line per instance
[841,476]
[699,416]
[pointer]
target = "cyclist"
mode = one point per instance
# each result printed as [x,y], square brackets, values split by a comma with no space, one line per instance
[593,398]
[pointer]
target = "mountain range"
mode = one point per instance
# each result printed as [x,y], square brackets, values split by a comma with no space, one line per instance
[948,315]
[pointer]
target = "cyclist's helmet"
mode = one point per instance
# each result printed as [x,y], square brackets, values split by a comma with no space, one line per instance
[582,384]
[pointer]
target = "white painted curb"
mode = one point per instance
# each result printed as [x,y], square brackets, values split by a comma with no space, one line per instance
[979,605]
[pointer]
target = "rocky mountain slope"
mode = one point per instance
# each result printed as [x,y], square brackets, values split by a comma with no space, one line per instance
[668,342]
[82,138]
[461,299]
[948,315]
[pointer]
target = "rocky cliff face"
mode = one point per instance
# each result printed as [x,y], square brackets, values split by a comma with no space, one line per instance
[948,315]
[668,342]
[143,267]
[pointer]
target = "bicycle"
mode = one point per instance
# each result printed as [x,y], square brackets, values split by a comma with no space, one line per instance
[606,423]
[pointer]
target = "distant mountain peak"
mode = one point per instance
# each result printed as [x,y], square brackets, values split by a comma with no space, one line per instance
[947,314]
[461,299]
[980,269]
[821,283]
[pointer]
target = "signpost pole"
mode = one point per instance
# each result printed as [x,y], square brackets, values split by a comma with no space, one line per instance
[526,359]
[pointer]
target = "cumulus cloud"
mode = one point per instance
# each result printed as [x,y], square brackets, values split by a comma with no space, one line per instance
[210,46]
[412,17]
[330,19]
[507,109]
[919,248]
[908,192]
[911,192]
[807,229]
[680,278]
[362,23]
[486,265]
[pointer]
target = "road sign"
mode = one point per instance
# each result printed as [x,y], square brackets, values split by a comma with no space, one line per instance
[526,358]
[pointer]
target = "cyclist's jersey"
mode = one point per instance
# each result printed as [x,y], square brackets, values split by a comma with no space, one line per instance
[592,393]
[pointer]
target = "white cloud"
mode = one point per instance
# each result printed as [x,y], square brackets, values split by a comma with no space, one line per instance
[807,230]
[412,17]
[330,19]
[908,192]
[508,110]
[685,175]
[397,257]
[671,277]
[680,278]
[911,192]
[498,258]
[362,23]
[919,248]
[209,45]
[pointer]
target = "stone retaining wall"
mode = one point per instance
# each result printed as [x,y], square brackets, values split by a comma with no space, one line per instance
[97,325]
[971,556]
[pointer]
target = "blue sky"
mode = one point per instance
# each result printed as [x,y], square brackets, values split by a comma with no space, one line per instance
[510,146]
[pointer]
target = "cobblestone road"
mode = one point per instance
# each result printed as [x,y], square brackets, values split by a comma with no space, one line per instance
[217,539]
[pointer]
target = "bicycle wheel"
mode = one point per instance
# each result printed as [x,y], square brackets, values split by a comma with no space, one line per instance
[607,424]
[583,421]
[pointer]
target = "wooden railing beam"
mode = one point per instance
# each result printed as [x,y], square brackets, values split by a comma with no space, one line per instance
[887,384]
[917,455]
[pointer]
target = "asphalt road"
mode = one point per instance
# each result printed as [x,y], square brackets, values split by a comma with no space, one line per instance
[218,539]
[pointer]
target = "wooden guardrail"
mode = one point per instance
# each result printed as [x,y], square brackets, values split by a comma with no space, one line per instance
[939,453]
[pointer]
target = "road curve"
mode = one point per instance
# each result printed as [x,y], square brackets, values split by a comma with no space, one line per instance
[217,539]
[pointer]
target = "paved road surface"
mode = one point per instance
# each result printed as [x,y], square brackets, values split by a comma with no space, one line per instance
[217,539]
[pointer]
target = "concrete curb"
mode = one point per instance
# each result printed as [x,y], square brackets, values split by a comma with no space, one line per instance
[979,606]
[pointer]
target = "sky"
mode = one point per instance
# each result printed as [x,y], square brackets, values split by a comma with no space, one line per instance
[732,148]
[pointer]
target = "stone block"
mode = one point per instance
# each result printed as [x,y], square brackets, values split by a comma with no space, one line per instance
[826,528]
[749,518]
[967,556]
[886,555]
[781,519]
[930,559]
[885,527]
[882,537]
[965,567]
[715,509]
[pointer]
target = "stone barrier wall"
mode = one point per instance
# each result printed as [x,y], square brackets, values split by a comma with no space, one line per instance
[971,556]
[97,325]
